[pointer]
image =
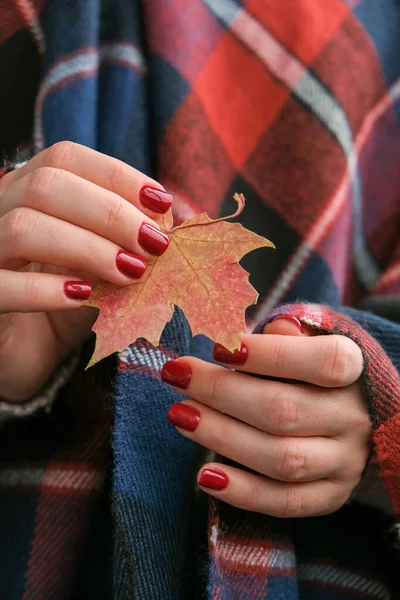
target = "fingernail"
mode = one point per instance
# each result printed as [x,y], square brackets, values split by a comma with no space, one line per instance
[155,199]
[77,290]
[238,357]
[290,318]
[184,416]
[130,265]
[153,240]
[213,479]
[176,373]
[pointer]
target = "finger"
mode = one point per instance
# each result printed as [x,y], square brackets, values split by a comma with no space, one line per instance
[30,236]
[72,199]
[272,406]
[104,171]
[288,325]
[326,360]
[37,292]
[267,496]
[282,458]
[284,325]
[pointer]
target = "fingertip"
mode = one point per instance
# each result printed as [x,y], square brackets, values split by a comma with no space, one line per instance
[213,479]
[284,325]
[155,199]
[79,291]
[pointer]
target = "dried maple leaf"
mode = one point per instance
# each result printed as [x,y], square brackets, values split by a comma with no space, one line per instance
[199,273]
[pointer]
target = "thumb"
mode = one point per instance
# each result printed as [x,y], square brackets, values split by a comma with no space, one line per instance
[288,325]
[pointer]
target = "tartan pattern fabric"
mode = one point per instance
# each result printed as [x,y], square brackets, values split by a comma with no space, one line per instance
[297,105]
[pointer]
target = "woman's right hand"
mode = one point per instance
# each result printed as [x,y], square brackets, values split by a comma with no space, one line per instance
[69,218]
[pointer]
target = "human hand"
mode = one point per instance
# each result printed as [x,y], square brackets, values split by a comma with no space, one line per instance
[69,218]
[306,444]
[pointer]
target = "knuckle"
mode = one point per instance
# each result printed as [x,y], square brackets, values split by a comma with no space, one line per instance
[215,391]
[220,439]
[19,224]
[292,466]
[114,213]
[31,288]
[116,173]
[293,505]
[252,496]
[278,357]
[280,413]
[339,361]
[355,467]
[61,154]
[361,422]
[38,184]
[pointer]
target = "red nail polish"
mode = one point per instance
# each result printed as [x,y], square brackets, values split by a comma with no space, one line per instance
[292,319]
[155,199]
[214,479]
[238,357]
[77,290]
[176,373]
[183,416]
[153,240]
[130,265]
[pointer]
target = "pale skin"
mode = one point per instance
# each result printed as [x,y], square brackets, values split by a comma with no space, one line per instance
[308,443]
[64,217]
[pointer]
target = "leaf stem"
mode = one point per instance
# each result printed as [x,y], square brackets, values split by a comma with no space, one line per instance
[239,198]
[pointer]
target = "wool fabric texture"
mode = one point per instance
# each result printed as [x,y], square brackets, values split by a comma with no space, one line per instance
[296,105]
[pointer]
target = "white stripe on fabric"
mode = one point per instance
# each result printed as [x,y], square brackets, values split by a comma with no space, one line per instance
[225,11]
[123,52]
[82,64]
[306,87]
[74,66]
[303,251]
[255,556]
[309,90]
[30,17]
[73,480]
[153,358]
[214,536]
[78,65]
[344,579]
[59,479]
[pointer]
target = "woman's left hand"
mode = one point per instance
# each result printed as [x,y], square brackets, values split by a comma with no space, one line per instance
[304,445]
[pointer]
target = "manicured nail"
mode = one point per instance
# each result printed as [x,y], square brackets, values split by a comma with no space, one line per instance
[214,479]
[77,290]
[238,357]
[290,318]
[130,265]
[176,373]
[155,199]
[184,416]
[153,240]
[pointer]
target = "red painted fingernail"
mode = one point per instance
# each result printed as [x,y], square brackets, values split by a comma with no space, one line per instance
[214,479]
[77,290]
[238,357]
[184,416]
[153,240]
[176,373]
[155,199]
[130,265]
[292,319]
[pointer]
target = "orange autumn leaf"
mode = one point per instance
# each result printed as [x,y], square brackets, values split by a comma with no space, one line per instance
[199,273]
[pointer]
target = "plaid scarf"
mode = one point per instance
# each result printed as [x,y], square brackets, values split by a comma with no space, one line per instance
[297,105]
